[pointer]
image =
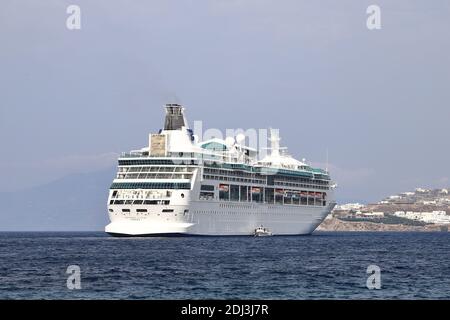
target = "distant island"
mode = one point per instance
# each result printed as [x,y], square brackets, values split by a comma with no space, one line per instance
[420,210]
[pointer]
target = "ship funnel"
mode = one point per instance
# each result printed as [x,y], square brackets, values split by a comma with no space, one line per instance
[175,119]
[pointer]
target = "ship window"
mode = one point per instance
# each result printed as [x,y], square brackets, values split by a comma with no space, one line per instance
[257,194]
[150,185]
[167,210]
[234,193]
[244,193]
[111,210]
[287,197]
[125,210]
[270,196]
[141,210]
[138,201]
[224,192]
[206,187]
[215,146]
[279,196]
[206,195]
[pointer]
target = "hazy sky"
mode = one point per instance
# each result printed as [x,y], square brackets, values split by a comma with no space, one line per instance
[70,101]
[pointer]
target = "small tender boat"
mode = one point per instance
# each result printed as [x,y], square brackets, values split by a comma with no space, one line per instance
[262,232]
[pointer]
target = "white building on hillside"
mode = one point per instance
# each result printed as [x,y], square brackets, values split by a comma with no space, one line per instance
[349,206]
[436,217]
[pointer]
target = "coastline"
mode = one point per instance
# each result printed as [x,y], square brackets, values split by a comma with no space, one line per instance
[334,224]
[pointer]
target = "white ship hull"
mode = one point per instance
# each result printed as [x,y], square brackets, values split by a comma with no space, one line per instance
[219,219]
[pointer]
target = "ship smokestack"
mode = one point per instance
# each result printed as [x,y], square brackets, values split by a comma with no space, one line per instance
[174,117]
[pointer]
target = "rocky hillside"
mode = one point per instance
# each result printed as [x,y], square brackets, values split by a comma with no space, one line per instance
[335,224]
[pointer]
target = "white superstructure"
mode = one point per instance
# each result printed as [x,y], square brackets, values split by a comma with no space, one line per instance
[180,186]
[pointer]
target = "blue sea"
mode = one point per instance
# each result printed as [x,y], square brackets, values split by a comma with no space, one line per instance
[322,266]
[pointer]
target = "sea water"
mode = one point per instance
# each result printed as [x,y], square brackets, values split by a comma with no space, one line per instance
[322,266]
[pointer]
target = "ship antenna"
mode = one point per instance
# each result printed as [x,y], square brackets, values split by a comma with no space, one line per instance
[326,168]
[275,142]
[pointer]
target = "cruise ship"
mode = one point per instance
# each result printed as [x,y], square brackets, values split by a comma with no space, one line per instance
[180,186]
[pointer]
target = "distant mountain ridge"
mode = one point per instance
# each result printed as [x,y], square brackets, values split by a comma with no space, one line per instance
[73,203]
